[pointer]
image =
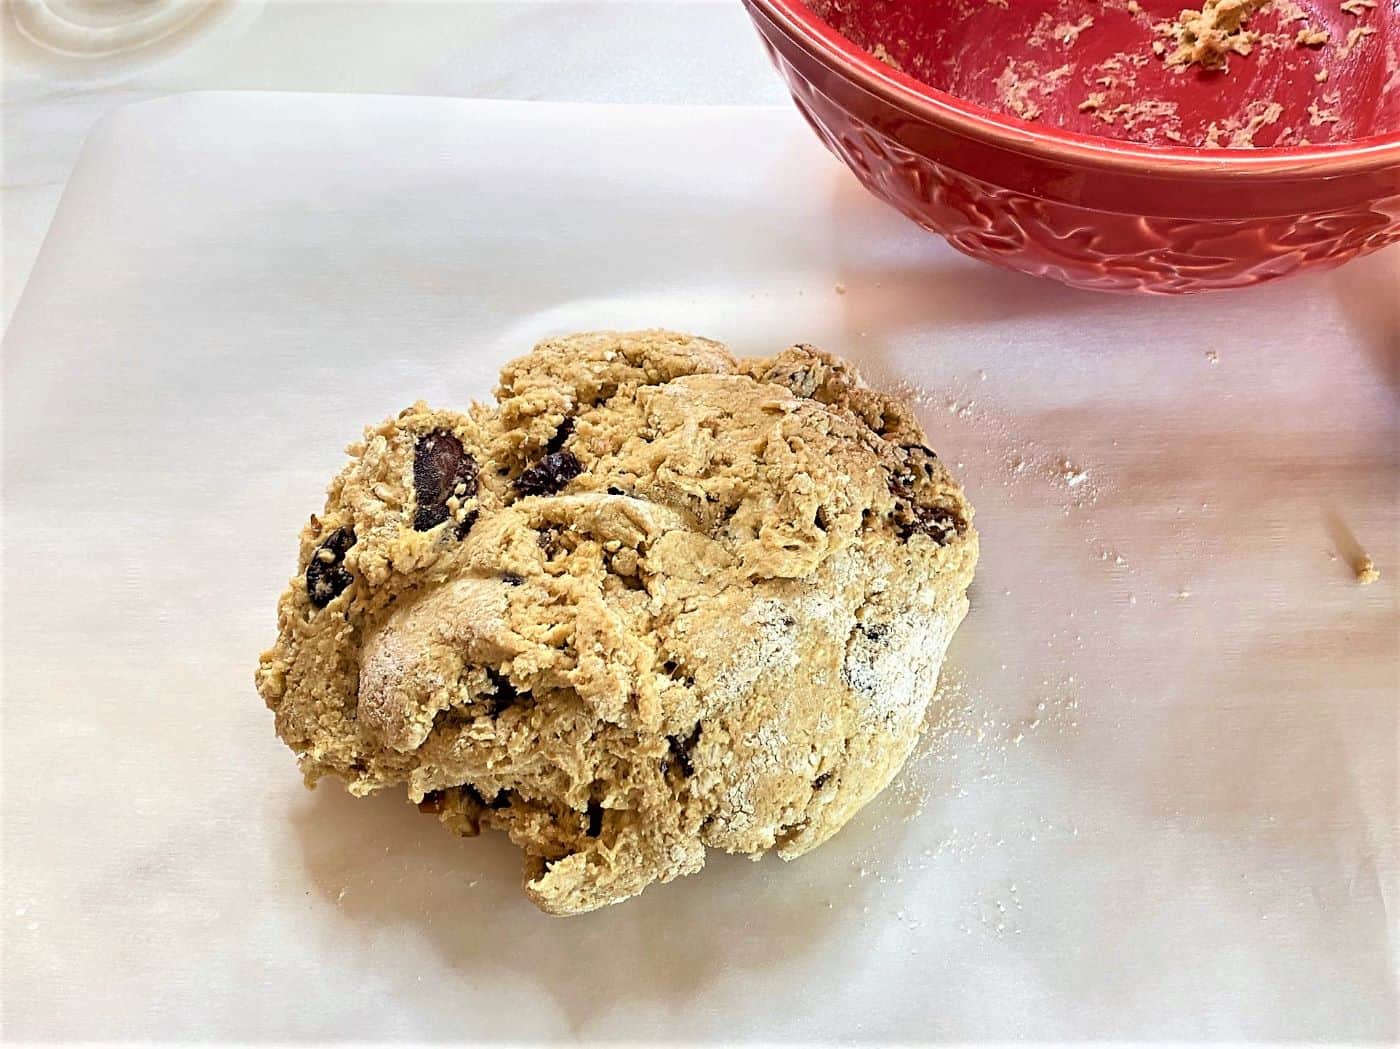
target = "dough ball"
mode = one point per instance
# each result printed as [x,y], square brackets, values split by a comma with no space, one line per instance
[656,600]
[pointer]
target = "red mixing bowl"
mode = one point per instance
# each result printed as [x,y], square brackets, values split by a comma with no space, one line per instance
[1064,194]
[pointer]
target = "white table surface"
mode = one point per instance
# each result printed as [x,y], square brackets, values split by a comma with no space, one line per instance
[693,52]
[1166,806]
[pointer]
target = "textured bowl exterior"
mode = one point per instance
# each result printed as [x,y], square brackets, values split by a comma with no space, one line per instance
[1093,214]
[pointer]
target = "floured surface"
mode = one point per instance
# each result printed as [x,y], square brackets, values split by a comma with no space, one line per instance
[1159,797]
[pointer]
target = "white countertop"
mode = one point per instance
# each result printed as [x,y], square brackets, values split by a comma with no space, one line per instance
[699,52]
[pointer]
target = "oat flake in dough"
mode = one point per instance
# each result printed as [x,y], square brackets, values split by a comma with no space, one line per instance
[654,601]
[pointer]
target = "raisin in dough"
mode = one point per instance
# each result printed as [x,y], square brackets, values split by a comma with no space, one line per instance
[657,600]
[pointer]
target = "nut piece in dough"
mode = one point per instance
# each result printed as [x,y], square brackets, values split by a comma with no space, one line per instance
[654,601]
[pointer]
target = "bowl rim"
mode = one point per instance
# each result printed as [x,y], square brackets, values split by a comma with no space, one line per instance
[941,108]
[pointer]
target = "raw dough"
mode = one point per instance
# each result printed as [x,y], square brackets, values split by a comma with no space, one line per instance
[1366,570]
[656,600]
[1209,35]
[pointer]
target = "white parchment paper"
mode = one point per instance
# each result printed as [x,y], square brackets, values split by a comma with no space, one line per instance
[1161,797]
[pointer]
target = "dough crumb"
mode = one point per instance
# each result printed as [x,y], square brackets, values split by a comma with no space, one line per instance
[1366,570]
[1094,101]
[1237,133]
[1354,36]
[1258,116]
[1048,31]
[1317,116]
[1288,11]
[1208,36]
[1321,76]
[1072,475]
[1312,37]
[883,54]
[1067,33]
[1357,7]
[1020,80]
[1016,94]
[840,289]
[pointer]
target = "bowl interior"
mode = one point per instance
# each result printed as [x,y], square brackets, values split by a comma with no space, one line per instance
[1089,66]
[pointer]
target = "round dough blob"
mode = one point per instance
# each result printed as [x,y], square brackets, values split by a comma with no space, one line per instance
[654,601]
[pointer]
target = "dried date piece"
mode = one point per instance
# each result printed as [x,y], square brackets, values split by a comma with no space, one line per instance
[682,749]
[326,575]
[595,819]
[442,468]
[939,524]
[565,431]
[910,516]
[503,693]
[549,475]
[548,540]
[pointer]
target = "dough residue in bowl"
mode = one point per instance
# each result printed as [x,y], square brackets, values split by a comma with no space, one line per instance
[1207,37]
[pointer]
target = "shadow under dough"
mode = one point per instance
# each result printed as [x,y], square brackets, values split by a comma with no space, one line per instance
[383,865]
